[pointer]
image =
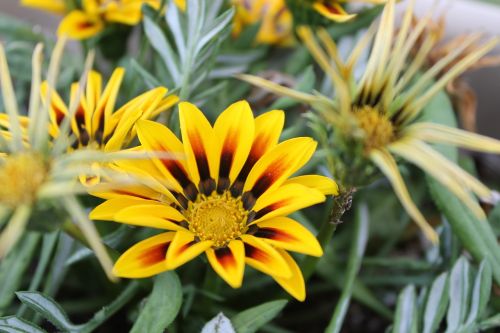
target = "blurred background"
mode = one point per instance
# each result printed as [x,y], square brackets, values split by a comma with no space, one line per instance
[463,16]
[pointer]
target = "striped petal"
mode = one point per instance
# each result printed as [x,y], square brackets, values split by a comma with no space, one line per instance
[158,138]
[265,258]
[233,128]
[268,127]
[79,25]
[130,191]
[276,166]
[146,258]
[152,215]
[229,262]
[199,146]
[184,248]
[295,284]
[285,200]
[325,185]
[285,233]
[332,10]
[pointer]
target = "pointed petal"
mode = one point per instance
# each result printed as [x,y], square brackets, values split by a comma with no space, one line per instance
[325,185]
[332,11]
[158,138]
[229,262]
[146,258]
[200,147]
[285,233]
[234,129]
[79,25]
[151,215]
[107,210]
[268,127]
[106,104]
[294,285]
[265,258]
[389,168]
[184,248]
[276,166]
[285,200]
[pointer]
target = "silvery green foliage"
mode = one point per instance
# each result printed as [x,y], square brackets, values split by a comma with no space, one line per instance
[189,48]
[460,295]
[219,324]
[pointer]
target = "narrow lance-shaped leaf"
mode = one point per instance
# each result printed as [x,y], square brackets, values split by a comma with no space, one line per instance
[459,294]
[436,304]
[252,319]
[405,319]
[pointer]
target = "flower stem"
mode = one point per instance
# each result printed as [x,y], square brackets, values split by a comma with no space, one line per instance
[339,206]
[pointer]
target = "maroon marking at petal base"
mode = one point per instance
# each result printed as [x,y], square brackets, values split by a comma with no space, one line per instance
[154,255]
[275,234]
[225,257]
[272,207]
[185,247]
[257,254]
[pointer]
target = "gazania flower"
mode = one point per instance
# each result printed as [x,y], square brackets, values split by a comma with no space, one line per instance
[273,16]
[32,168]
[229,198]
[376,119]
[94,15]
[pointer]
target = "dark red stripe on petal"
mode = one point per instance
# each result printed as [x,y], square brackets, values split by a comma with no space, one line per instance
[124,192]
[185,247]
[271,208]
[258,149]
[58,114]
[226,161]
[225,257]
[275,234]
[207,184]
[331,8]
[257,254]
[154,255]
[268,178]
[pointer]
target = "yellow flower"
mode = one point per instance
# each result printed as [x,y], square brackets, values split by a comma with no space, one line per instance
[228,198]
[380,111]
[94,15]
[273,16]
[32,168]
[333,9]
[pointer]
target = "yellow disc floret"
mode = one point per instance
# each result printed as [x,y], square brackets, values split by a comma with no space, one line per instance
[218,218]
[21,175]
[377,128]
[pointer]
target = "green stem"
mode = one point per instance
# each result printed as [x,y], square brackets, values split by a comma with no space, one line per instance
[339,206]
[361,223]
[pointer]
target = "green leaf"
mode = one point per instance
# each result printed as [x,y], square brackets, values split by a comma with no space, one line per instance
[490,323]
[252,319]
[480,293]
[148,78]
[436,304]
[405,319]
[476,235]
[361,225]
[219,324]
[13,267]
[48,308]
[459,294]
[162,306]
[18,325]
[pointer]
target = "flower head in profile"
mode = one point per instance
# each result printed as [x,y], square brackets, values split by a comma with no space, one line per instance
[94,15]
[376,119]
[34,170]
[334,9]
[229,198]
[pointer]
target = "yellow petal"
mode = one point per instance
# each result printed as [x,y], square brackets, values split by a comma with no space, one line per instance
[54,6]
[285,200]
[294,285]
[276,166]
[285,233]
[78,25]
[325,185]
[233,128]
[185,248]
[332,11]
[265,258]
[107,210]
[200,147]
[107,102]
[229,262]
[151,215]
[146,258]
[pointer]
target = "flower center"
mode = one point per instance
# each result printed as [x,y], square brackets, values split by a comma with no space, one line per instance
[21,175]
[377,128]
[219,218]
